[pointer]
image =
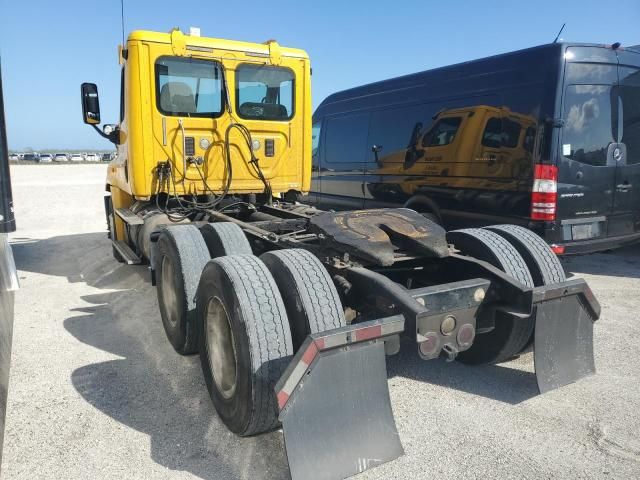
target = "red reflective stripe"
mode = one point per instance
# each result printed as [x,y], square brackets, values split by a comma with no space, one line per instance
[282,399]
[368,333]
[543,205]
[310,353]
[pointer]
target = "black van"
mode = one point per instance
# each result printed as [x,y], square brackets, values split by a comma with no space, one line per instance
[547,137]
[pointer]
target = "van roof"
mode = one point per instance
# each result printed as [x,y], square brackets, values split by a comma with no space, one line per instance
[461,69]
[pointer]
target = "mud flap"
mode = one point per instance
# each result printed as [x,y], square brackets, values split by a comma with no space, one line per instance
[563,342]
[334,403]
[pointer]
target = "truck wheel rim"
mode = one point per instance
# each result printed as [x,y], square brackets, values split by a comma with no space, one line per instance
[221,348]
[169,297]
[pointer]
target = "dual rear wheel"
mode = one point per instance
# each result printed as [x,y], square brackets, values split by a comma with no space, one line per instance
[524,256]
[247,315]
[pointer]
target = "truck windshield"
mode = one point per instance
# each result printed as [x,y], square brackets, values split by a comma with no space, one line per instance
[188,87]
[264,93]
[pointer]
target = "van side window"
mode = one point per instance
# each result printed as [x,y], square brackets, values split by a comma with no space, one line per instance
[442,133]
[346,138]
[492,136]
[529,139]
[501,132]
[510,133]
[315,138]
[587,131]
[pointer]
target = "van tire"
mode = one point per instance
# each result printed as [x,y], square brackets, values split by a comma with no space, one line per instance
[252,340]
[181,257]
[225,238]
[510,335]
[310,297]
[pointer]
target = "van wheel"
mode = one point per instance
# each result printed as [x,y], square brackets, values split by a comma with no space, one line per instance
[510,335]
[181,257]
[544,265]
[245,342]
[310,297]
[225,238]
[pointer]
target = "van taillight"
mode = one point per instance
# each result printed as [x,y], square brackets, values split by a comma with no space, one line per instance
[544,194]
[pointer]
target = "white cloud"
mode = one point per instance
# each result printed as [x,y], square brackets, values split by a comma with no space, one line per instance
[582,115]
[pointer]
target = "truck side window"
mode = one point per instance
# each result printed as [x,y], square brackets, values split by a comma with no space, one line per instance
[587,131]
[442,133]
[122,95]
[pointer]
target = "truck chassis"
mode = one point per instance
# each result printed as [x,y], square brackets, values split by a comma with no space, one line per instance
[293,311]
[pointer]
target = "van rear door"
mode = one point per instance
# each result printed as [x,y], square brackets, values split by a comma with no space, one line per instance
[586,169]
[627,193]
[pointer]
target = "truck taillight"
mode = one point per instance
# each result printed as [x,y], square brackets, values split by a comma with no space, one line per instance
[544,193]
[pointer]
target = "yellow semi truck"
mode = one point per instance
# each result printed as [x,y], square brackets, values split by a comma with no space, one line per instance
[292,310]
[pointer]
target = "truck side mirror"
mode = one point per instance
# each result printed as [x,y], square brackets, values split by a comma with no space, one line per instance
[90,103]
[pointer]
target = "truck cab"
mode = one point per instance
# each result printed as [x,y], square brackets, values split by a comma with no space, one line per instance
[180,95]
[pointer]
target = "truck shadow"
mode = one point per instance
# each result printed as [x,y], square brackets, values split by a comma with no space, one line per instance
[624,262]
[497,382]
[145,385]
[150,388]
[155,391]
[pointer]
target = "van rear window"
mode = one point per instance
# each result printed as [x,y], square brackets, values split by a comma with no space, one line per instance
[587,130]
[630,99]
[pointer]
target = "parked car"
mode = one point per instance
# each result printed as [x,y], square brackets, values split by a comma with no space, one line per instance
[30,157]
[14,157]
[60,157]
[547,138]
[107,157]
[76,157]
[92,157]
[46,158]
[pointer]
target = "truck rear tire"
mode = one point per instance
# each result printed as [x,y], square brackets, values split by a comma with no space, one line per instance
[181,257]
[225,238]
[245,342]
[310,297]
[544,265]
[510,335]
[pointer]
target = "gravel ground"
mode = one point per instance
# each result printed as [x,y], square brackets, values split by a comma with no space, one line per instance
[97,392]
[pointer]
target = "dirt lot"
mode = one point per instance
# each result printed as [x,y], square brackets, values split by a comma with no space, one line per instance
[97,392]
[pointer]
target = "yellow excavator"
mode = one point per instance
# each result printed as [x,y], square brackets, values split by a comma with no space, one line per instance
[291,309]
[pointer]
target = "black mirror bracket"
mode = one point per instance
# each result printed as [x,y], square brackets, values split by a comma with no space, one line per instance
[113,137]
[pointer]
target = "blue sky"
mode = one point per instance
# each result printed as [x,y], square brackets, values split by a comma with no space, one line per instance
[49,48]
